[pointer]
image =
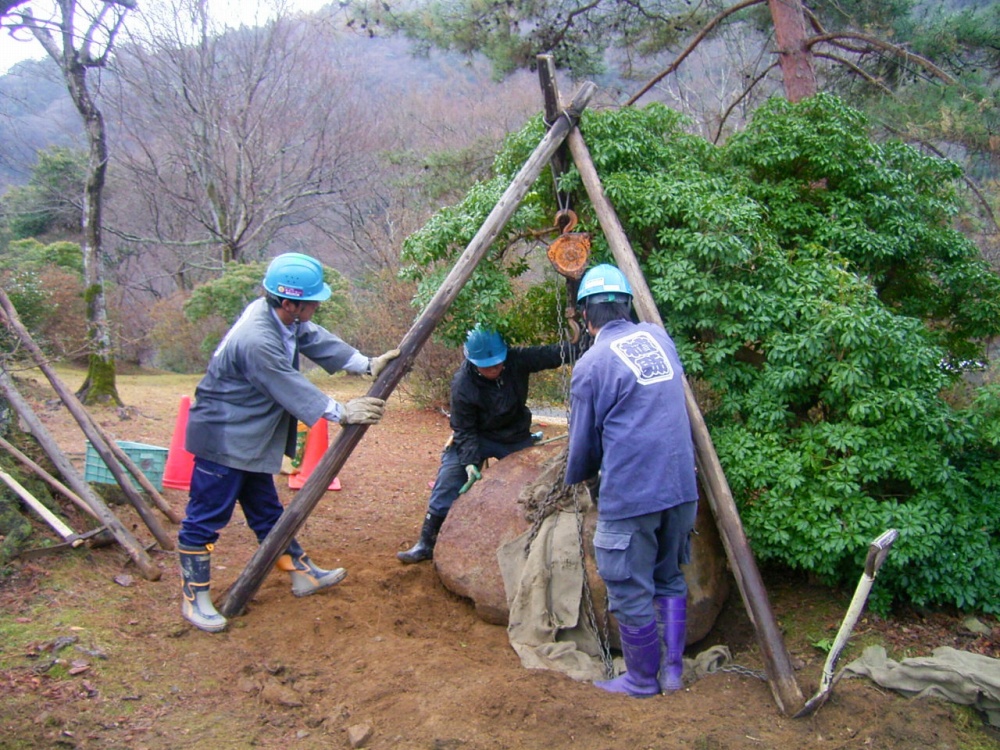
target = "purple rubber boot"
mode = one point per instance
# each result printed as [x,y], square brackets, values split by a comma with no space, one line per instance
[671,620]
[641,649]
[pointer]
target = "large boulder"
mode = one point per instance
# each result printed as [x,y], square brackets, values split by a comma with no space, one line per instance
[489,516]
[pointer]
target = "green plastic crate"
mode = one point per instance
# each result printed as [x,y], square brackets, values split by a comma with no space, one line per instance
[150,459]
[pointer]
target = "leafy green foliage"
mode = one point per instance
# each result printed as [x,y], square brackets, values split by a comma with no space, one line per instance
[225,297]
[491,296]
[817,291]
[32,254]
[962,108]
[52,199]
[42,282]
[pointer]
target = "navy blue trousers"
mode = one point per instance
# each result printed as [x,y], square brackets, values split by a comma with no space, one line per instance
[215,490]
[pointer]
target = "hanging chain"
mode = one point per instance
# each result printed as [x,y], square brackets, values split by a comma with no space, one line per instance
[590,612]
[561,198]
[559,497]
[566,351]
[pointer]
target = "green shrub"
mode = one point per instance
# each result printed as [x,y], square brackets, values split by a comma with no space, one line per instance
[222,300]
[823,303]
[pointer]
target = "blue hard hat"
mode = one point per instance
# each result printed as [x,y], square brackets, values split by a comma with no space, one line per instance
[485,348]
[607,281]
[297,277]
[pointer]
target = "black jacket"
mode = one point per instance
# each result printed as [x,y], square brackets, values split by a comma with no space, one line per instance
[495,409]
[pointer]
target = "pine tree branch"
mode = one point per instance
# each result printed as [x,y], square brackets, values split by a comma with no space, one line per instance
[691,47]
[855,69]
[836,40]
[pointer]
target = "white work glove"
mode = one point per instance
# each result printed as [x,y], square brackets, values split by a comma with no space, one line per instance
[377,364]
[473,473]
[364,410]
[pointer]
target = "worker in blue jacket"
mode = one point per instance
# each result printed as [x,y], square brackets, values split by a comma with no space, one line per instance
[245,418]
[629,423]
[489,419]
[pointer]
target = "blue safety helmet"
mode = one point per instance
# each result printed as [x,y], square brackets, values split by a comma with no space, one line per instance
[485,348]
[605,281]
[296,277]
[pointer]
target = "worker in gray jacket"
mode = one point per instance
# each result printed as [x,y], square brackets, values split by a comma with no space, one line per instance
[244,420]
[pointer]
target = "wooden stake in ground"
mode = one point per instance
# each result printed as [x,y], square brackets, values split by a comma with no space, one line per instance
[128,542]
[333,460]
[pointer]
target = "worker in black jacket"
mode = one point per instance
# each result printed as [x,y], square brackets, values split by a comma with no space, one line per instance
[489,419]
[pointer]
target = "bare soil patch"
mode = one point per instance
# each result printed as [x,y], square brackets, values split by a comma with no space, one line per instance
[390,653]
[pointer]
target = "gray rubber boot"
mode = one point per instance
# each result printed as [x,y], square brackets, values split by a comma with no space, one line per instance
[307,577]
[196,604]
[424,548]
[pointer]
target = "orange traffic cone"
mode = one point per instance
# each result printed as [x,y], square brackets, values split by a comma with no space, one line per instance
[317,441]
[180,463]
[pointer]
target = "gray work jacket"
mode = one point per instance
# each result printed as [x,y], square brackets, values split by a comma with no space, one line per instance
[247,404]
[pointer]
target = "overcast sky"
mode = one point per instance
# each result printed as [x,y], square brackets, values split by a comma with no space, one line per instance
[24,47]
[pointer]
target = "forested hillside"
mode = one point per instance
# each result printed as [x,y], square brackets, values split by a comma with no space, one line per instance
[35,112]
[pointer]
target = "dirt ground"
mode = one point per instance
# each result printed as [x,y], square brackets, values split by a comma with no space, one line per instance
[93,655]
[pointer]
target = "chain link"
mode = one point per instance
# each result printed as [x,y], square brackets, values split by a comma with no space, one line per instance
[559,497]
[743,671]
[602,635]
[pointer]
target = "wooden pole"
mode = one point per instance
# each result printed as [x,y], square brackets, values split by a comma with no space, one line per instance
[106,448]
[64,531]
[52,481]
[70,400]
[134,471]
[777,662]
[336,455]
[128,542]
[550,95]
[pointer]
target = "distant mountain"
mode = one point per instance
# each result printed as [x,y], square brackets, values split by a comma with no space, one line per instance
[35,112]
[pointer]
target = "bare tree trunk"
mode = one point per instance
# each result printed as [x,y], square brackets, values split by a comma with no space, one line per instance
[102,21]
[99,385]
[793,54]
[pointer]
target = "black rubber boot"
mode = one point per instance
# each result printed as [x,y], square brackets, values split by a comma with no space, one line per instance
[424,548]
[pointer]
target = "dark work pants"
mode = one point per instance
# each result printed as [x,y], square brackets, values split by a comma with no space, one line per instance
[451,474]
[640,558]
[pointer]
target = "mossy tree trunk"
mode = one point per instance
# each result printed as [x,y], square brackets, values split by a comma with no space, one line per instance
[58,37]
[99,385]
